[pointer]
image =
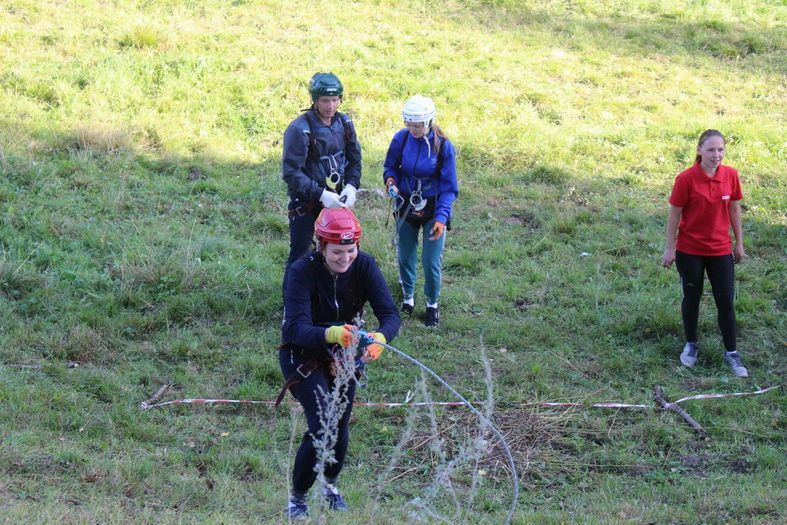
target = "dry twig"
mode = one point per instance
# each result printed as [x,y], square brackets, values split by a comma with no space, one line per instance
[664,403]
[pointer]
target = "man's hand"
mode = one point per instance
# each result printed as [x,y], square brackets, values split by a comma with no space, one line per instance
[349,195]
[330,199]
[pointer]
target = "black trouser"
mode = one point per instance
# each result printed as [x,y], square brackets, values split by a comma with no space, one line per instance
[301,235]
[307,392]
[721,274]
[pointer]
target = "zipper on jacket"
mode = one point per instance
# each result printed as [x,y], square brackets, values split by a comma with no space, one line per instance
[335,299]
[417,156]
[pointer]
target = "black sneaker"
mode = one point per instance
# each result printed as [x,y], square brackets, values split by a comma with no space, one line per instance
[407,308]
[432,317]
[334,499]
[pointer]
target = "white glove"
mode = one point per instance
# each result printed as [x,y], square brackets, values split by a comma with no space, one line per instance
[349,193]
[331,200]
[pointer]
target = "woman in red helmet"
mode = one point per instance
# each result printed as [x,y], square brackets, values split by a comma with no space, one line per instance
[324,301]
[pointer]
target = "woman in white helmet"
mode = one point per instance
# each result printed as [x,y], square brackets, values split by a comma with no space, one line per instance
[420,174]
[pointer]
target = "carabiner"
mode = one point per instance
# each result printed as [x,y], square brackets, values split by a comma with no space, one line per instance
[334,177]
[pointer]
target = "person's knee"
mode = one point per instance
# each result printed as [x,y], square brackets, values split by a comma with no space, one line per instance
[724,301]
[692,289]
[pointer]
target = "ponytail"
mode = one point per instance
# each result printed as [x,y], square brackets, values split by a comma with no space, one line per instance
[438,134]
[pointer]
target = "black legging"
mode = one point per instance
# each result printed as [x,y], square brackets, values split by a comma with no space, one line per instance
[721,274]
[307,394]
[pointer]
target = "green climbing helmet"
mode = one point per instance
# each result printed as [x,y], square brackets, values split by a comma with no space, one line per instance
[325,85]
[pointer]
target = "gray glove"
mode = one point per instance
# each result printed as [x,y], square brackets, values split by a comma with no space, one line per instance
[331,200]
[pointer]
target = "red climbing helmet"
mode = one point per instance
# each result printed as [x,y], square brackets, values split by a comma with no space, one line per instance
[337,226]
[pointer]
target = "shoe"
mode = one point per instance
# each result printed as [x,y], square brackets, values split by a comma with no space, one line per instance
[733,359]
[408,308]
[432,317]
[334,499]
[689,355]
[296,509]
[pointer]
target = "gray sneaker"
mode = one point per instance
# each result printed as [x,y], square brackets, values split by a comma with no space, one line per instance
[334,499]
[296,509]
[733,359]
[689,355]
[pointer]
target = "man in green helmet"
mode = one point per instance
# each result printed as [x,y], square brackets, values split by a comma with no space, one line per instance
[321,162]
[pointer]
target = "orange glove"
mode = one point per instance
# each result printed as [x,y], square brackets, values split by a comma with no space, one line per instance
[437,230]
[373,352]
[342,335]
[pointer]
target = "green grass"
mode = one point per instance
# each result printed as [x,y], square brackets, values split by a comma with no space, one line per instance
[143,236]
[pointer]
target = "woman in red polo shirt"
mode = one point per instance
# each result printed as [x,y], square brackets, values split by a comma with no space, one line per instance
[705,202]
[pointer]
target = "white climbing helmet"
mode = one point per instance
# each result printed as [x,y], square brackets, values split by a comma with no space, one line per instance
[419,109]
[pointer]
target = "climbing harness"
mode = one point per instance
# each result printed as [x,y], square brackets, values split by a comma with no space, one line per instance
[331,365]
[396,202]
[416,198]
[333,178]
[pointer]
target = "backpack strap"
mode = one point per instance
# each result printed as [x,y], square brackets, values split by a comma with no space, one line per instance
[347,130]
[313,155]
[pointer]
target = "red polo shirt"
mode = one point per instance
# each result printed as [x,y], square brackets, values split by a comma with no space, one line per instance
[704,227]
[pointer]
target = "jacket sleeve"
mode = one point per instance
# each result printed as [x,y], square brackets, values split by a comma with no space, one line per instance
[448,186]
[394,157]
[299,328]
[293,162]
[381,301]
[352,153]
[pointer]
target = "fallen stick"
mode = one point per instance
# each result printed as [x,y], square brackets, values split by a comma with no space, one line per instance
[145,405]
[155,397]
[658,394]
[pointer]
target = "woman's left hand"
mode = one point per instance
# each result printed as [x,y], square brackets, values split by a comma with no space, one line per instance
[437,230]
[373,351]
[739,253]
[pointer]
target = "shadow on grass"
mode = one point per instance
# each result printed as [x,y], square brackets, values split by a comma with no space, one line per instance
[107,238]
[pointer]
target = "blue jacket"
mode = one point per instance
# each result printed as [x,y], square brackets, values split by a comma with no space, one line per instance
[409,160]
[305,177]
[315,300]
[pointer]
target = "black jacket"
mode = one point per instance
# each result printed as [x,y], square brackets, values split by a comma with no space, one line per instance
[336,145]
[315,300]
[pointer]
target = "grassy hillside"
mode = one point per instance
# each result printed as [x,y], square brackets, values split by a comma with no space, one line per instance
[143,235]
